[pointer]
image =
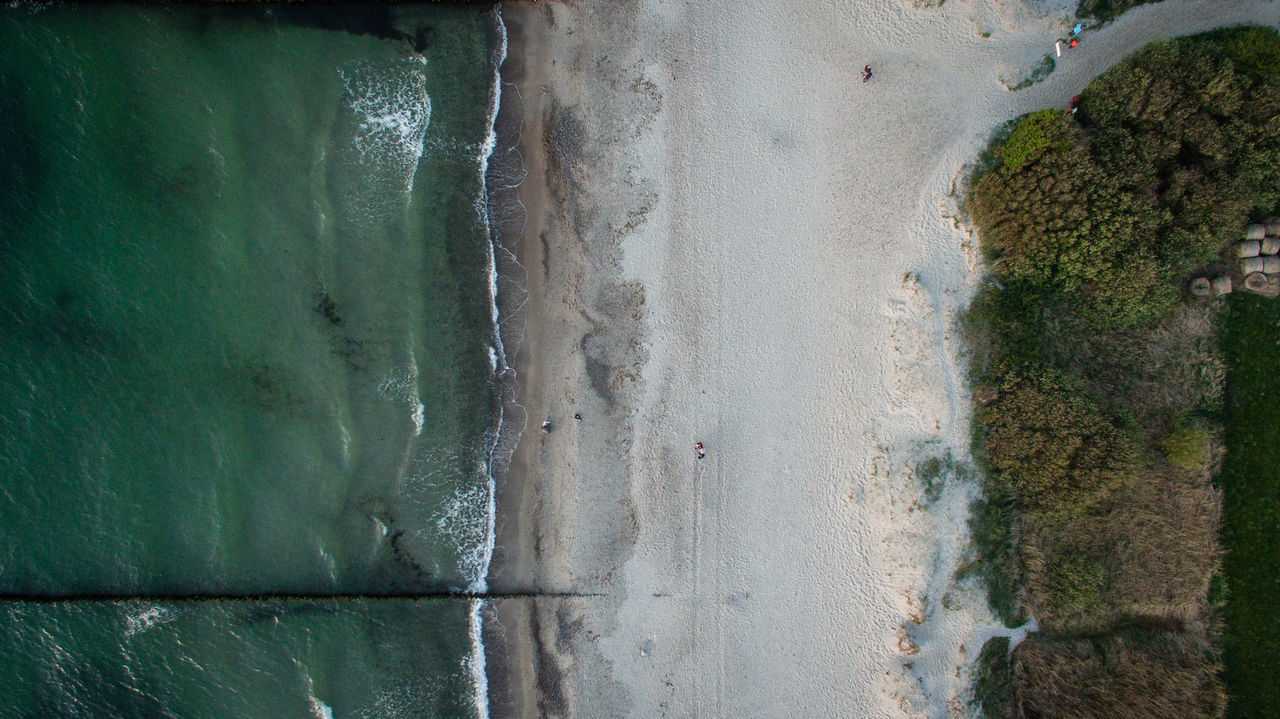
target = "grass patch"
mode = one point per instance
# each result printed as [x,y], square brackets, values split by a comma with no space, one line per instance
[932,473]
[1038,73]
[993,680]
[1187,447]
[1250,482]
[992,525]
[1074,585]
[1107,10]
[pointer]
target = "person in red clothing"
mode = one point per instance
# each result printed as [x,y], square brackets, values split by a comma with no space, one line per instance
[701,452]
[866,73]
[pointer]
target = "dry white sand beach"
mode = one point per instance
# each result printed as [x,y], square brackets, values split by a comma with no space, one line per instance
[733,240]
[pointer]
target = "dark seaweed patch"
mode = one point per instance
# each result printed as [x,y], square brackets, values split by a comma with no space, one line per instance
[326,308]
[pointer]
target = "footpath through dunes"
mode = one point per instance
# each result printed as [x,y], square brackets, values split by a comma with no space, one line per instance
[743,244]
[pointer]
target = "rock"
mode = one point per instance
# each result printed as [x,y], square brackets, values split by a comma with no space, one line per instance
[1221,286]
[1271,265]
[1201,287]
[1273,226]
[1255,232]
[1270,245]
[1250,265]
[1248,248]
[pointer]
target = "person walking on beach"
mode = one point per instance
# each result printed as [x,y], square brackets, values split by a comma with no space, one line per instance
[701,452]
[866,73]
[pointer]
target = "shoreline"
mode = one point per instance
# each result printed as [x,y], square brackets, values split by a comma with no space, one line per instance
[564,522]
[507,632]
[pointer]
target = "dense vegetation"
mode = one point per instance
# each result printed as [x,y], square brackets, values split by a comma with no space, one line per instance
[1101,383]
[1106,10]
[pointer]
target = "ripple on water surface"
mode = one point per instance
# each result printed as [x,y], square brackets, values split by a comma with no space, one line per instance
[246,311]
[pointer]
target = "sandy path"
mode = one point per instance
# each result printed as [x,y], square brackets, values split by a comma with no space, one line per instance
[791,230]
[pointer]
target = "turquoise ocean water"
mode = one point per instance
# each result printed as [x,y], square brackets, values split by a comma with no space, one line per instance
[246,332]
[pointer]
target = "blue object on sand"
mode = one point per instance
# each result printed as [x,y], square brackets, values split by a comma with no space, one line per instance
[1076,30]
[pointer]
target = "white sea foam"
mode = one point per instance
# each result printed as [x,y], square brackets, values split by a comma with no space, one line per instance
[480,583]
[474,663]
[391,105]
[319,709]
[391,109]
[419,418]
[346,442]
[401,385]
[145,619]
[419,409]
[466,518]
[486,151]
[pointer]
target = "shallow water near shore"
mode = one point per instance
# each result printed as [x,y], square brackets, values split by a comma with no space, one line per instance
[246,311]
[379,659]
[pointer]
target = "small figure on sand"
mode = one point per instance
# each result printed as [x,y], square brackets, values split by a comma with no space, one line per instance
[866,73]
[701,452]
[577,416]
[546,426]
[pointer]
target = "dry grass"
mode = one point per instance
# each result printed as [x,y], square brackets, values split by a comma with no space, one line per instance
[1160,372]
[1165,537]
[1148,552]
[1134,676]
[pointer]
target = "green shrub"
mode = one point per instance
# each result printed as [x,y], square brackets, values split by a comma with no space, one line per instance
[933,473]
[1053,447]
[1187,448]
[1038,73]
[1006,329]
[1092,369]
[1181,143]
[1255,52]
[1034,135]
[1027,207]
[1107,10]
[1051,219]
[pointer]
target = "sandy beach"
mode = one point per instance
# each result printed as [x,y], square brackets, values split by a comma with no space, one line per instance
[728,238]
